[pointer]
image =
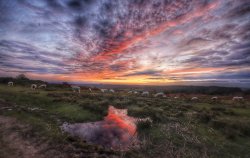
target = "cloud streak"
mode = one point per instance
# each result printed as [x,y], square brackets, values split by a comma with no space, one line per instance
[130,41]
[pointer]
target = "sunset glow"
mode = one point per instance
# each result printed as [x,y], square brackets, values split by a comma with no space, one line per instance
[152,42]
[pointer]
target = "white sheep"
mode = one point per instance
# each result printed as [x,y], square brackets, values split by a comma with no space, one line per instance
[112,91]
[145,93]
[130,92]
[214,98]
[194,98]
[10,83]
[135,92]
[238,98]
[104,90]
[43,86]
[161,94]
[76,89]
[176,97]
[90,89]
[33,86]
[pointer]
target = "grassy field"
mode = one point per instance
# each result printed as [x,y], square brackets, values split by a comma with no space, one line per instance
[181,127]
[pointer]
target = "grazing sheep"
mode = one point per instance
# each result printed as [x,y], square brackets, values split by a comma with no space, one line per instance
[76,89]
[33,86]
[161,94]
[104,90]
[112,91]
[135,92]
[43,86]
[176,97]
[10,83]
[194,98]
[214,98]
[90,89]
[130,92]
[145,93]
[238,98]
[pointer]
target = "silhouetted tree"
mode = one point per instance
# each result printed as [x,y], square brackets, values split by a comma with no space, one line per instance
[21,77]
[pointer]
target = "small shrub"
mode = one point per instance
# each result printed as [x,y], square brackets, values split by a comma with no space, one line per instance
[222,109]
[205,116]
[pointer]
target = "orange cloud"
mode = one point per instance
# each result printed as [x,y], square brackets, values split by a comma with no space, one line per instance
[110,53]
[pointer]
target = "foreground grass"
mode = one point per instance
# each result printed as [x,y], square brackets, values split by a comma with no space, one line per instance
[181,128]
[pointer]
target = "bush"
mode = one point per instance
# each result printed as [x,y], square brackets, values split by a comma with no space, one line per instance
[232,128]
[156,114]
[205,116]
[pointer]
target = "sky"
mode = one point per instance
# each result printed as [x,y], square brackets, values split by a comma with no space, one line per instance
[155,42]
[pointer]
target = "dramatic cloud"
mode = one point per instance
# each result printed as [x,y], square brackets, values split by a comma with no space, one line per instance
[126,41]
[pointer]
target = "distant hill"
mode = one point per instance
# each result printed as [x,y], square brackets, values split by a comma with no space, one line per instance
[209,90]
[20,80]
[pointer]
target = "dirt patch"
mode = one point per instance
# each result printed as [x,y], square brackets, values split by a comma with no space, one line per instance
[13,141]
[13,144]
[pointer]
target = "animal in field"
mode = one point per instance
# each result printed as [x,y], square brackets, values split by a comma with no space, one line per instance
[135,92]
[104,90]
[160,94]
[176,97]
[33,86]
[214,98]
[90,89]
[10,83]
[112,91]
[43,86]
[145,93]
[194,98]
[76,89]
[236,98]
